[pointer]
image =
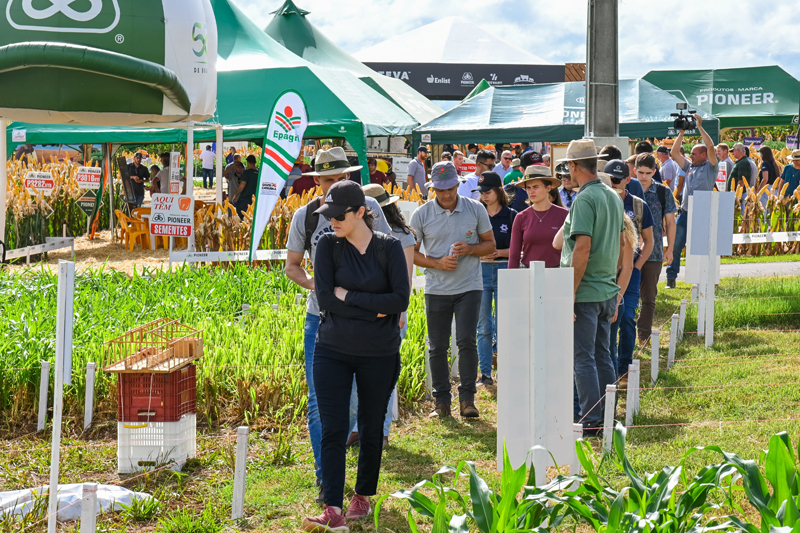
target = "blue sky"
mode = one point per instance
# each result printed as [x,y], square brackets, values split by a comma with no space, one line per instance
[671,34]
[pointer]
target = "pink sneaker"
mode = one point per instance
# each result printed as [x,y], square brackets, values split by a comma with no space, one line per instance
[359,508]
[327,521]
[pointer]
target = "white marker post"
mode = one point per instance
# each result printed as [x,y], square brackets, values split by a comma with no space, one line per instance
[635,382]
[694,293]
[428,377]
[89,508]
[682,320]
[608,423]
[673,340]
[240,473]
[220,157]
[88,408]
[575,465]
[712,259]
[66,278]
[654,340]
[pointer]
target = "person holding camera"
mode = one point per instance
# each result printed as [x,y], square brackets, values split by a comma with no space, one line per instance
[701,175]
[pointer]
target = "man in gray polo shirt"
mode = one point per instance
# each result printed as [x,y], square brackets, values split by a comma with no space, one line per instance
[456,233]
[701,175]
[417,173]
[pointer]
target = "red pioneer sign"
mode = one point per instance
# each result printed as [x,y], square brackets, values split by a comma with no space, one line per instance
[172,215]
[40,182]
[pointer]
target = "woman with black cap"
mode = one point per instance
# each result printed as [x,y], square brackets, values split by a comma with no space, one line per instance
[494,197]
[361,282]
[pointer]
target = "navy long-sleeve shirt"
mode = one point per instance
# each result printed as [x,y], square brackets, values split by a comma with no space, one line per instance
[352,326]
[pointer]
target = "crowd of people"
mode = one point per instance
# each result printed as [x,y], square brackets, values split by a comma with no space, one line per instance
[600,215]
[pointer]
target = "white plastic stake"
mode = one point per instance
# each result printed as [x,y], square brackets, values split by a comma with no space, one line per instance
[454,351]
[88,409]
[89,507]
[695,288]
[575,464]
[298,298]
[608,424]
[240,474]
[673,340]
[275,307]
[428,377]
[635,385]
[44,384]
[66,278]
[711,273]
[395,407]
[682,321]
[654,340]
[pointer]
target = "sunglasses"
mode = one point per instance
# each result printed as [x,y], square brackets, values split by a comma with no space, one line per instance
[616,181]
[506,159]
[340,218]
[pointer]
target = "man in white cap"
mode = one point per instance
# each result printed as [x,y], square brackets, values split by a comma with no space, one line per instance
[791,173]
[456,232]
[331,166]
[592,239]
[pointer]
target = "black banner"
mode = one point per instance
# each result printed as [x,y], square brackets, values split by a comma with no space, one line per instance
[443,81]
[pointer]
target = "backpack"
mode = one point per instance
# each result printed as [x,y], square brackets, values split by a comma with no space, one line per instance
[311,221]
[638,212]
[380,249]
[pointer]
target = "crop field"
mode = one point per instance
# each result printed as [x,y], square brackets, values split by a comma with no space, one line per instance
[735,395]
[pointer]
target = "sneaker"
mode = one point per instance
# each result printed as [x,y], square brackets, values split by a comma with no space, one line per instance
[327,521]
[442,410]
[468,409]
[359,508]
[670,283]
[353,440]
[484,381]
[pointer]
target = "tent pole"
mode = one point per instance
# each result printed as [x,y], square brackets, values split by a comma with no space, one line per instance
[3,179]
[220,155]
[190,172]
[107,162]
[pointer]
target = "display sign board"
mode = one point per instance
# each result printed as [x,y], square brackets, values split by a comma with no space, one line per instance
[757,142]
[175,173]
[701,222]
[400,166]
[86,202]
[426,137]
[468,167]
[172,215]
[89,177]
[40,181]
[791,142]
[722,176]
[19,136]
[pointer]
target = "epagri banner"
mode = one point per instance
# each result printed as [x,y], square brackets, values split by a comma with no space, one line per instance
[282,145]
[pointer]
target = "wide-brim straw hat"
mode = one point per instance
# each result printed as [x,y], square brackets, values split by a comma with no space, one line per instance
[373,190]
[605,178]
[332,163]
[582,149]
[538,172]
[795,155]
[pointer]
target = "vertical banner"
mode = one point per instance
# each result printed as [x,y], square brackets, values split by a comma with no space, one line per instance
[282,144]
[175,173]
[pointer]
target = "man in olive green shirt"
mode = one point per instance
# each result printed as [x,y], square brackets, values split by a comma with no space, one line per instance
[592,233]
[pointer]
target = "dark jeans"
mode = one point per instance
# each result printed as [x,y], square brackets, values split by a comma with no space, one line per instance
[594,367]
[333,381]
[208,174]
[439,311]
[139,200]
[622,353]
[487,323]
[680,243]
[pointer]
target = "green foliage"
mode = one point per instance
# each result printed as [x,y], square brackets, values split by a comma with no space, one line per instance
[142,510]
[209,520]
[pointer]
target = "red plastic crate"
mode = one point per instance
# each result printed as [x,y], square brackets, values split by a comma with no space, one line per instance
[157,397]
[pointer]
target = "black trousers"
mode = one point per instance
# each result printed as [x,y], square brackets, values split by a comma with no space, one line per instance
[333,381]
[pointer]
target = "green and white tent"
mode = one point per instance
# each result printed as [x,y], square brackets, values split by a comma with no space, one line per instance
[738,97]
[551,113]
[291,28]
[121,63]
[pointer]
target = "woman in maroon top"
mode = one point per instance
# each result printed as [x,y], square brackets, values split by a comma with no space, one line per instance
[535,227]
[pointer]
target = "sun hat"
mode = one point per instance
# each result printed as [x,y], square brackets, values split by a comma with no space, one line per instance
[342,196]
[739,146]
[562,168]
[443,176]
[605,178]
[538,172]
[582,149]
[617,169]
[332,163]
[488,181]
[794,156]
[515,163]
[373,190]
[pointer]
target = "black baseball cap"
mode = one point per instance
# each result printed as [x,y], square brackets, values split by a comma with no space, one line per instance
[422,148]
[663,150]
[488,181]
[342,196]
[530,158]
[137,154]
[618,169]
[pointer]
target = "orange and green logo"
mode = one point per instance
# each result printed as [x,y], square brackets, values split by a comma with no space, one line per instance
[286,121]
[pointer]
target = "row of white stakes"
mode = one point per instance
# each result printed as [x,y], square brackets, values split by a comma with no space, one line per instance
[677,322]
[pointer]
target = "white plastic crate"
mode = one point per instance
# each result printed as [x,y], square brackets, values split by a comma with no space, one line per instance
[156,443]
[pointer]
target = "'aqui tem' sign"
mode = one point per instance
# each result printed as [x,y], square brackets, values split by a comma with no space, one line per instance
[40,182]
[89,177]
[172,215]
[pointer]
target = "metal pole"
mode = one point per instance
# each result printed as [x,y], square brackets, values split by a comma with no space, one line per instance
[110,178]
[602,69]
[220,156]
[88,408]
[3,179]
[44,385]
[66,277]
[654,356]
[608,423]
[190,173]
[240,473]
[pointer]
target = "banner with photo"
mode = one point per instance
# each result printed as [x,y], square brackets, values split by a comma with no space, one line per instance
[282,144]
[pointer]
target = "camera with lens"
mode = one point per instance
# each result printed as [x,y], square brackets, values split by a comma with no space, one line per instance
[684,122]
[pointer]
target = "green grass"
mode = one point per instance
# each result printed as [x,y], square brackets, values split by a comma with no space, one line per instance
[744,260]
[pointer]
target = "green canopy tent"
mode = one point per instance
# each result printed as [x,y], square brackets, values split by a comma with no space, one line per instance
[291,28]
[252,70]
[551,112]
[738,97]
